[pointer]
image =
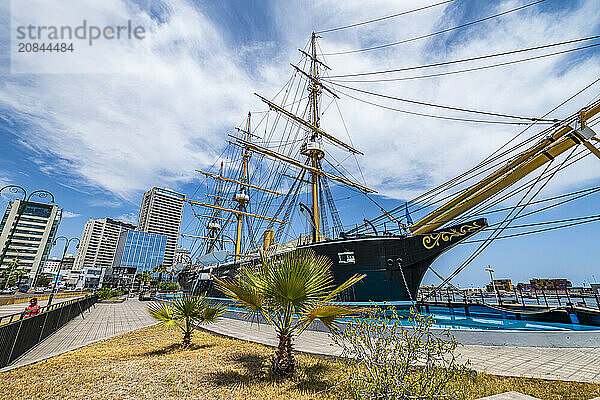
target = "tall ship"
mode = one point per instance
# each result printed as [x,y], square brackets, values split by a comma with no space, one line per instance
[273,190]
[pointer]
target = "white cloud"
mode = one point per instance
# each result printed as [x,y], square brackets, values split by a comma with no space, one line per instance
[128,217]
[69,214]
[4,181]
[127,132]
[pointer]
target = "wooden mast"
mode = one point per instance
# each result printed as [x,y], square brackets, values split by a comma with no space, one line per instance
[213,226]
[242,197]
[313,146]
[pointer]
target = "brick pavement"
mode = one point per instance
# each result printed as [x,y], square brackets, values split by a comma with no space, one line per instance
[576,364]
[103,321]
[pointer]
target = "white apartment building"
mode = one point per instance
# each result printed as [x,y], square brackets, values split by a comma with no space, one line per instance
[51,266]
[67,274]
[32,226]
[97,250]
[161,212]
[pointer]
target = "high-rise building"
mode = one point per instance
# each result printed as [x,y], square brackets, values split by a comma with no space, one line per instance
[138,252]
[35,225]
[97,249]
[161,212]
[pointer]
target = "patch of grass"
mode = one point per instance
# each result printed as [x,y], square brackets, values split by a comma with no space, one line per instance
[149,364]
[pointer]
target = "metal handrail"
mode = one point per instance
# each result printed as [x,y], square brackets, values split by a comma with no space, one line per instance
[42,310]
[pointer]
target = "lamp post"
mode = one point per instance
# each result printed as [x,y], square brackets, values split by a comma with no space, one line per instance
[12,189]
[22,204]
[491,271]
[67,243]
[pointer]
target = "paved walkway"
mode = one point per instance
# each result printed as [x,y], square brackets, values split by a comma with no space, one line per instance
[101,322]
[582,365]
[19,307]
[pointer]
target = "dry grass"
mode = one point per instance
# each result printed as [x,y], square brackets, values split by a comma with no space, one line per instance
[148,364]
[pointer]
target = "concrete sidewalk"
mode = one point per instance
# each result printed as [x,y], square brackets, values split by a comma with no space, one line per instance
[103,321]
[580,364]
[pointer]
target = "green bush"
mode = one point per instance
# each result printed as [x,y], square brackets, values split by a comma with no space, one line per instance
[107,293]
[386,360]
[169,286]
[43,281]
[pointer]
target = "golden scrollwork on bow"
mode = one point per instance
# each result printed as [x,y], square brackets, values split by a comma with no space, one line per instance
[433,240]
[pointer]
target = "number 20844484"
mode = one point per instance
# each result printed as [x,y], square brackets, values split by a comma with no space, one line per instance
[25,47]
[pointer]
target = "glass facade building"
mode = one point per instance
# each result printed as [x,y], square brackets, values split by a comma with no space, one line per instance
[138,252]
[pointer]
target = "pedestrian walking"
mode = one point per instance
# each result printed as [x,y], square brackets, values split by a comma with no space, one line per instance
[33,308]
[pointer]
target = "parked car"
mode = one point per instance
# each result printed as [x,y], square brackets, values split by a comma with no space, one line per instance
[39,290]
[8,291]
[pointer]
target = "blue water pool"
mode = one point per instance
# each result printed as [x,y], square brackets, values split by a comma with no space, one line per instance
[480,318]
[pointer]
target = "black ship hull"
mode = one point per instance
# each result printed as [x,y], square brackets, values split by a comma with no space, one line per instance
[394,265]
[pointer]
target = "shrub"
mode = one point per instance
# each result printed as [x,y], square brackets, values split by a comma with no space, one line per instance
[108,293]
[168,286]
[43,281]
[386,360]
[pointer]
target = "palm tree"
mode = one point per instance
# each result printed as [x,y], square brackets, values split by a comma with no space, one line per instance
[13,272]
[290,291]
[185,312]
[143,278]
[161,269]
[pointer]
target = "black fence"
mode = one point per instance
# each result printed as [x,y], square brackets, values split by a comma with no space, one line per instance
[19,333]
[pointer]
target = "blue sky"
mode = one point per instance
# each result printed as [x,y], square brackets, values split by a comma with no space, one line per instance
[98,140]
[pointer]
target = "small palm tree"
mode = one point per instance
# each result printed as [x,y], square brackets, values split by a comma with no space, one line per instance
[186,312]
[161,269]
[143,278]
[290,291]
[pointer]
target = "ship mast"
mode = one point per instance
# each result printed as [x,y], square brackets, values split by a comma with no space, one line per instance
[313,147]
[241,197]
[213,226]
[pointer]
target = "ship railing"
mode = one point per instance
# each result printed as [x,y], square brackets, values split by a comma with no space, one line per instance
[543,298]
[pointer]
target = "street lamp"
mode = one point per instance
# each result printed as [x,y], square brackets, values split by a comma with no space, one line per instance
[491,271]
[17,189]
[67,243]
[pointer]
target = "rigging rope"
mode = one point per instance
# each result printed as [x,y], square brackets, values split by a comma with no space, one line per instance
[495,156]
[422,103]
[507,220]
[469,59]
[420,114]
[461,71]
[384,18]
[434,33]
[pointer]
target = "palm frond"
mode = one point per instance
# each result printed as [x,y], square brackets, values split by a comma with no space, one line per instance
[211,313]
[295,279]
[241,292]
[163,312]
[328,314]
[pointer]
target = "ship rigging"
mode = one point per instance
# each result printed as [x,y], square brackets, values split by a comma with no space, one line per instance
[271,164]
